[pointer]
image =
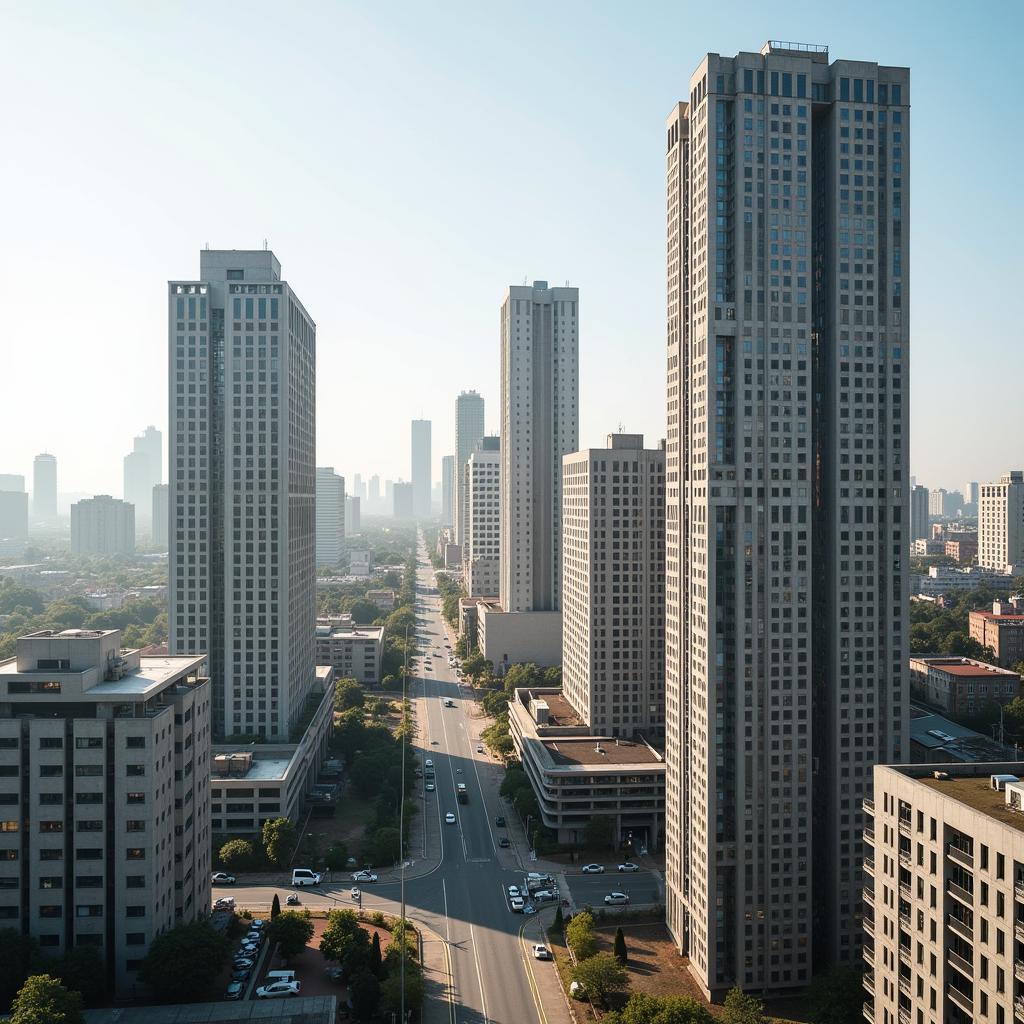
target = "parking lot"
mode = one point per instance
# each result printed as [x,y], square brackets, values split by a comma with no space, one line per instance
[529,890]
[590,890]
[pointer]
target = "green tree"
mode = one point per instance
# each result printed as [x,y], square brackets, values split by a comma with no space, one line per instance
[391,987]
[278,840]
[185,961]
[275,907]
[401,934]
[382,847]
[337,857]
[376,959]
[363,612]
[742,1009]
[645,1009]
[342,935]
[364,991]
[81,970]
[601,975]
[44,1000]
[599,833]
[558,925]
[348,694]
[837,996]
[579,934]
[20,957]
[619,949]
[238,855]
[291,930]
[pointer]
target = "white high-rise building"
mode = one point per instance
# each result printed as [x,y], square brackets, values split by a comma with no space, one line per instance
[102,526]
[44,488]
[787,503]
[539,425]
[613,587]
[330,516]
[143,470]
[481,550]
[161,496]
[353,515]
[421,476]
[1001,522]
[447,489]
[242,476]
[469,428]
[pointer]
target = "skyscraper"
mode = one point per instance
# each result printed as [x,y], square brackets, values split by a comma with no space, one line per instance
[102,526]
[13,514]
[44,488]
[242,477]
[421,476]
[1001,522]
[161,496]
[330,516]
[480,553]
[447,488]
[358,487]
[143,470]
[402,496]
[919,528]
[469,428]
[787,504]
[539,425]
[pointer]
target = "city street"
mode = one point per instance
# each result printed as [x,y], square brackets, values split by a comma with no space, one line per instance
[462,894]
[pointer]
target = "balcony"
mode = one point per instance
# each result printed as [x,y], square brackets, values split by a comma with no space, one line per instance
[961,857]
[869,864]
[904,1015]
[868,953]
[905,890]
[869,927]
[1018,890]
[957,998]
[905,859]
[958,927]
[869,835]
[1018,930]
[869,896]
[869,980]
[869,1011]
[869,805]
[1018,1007]
[905,920]
[962,965]
[904,984]
[960,893]
[904,826]
[905,957]
[1018,970]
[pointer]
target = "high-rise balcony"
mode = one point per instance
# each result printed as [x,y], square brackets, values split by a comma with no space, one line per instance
[869,805]
[869,927]
[905,827]
[869,980]
[869,864]
[869,895]
[904,1015]
[905,859]
[961,857]
[1018,1007]
[869,1011]
[960,1000]
[869,835]
[1018,970]
[1018,930]
[904,984]
[868,953]
[958,927]
[1018,890]
[960,893]
[960,964]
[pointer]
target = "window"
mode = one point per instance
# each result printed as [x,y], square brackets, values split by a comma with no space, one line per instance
[135,825]
[89,826]
[8,742]
[88,798]
[135,911]
[89,881]
[135,770]
[135,881]
[135,853]
[89,853]
[51,826]
[51,882]
[22,686]
[135,939]
[85,771]
[51,910]
[49,940]
[51,854]
[51,742]
[88,742]
[51,771]
[89,910]
[136,798]
[135,742]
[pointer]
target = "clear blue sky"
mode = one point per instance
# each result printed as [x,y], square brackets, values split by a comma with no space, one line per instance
[408,161]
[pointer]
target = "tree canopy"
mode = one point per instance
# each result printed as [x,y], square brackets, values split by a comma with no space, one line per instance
[183,962]
[601,975]
[291,930]
[645,1009]
[278,840]
[579,934]
[44,1000]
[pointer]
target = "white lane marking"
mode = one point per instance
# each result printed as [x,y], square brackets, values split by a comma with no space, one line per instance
[479,976]
[448,954]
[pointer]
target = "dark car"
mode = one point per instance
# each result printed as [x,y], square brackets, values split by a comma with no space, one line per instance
[504,843]
[499,821]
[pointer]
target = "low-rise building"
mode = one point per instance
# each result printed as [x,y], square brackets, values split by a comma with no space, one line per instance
[468,620]
[947,579]
[923,547]
[938,740]
[963,551]
[961,686]
[354,652]
[1001,630]
[578,776]
[105,830]
[359,562]
[383,599]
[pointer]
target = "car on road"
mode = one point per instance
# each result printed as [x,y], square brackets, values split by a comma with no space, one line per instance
[537,876]
[430,787]
[225,903]
[234,990]
[279,988]
[504,843]
[222,878]
[499,821]
[629,866]
[305,876]
[517,903]
[450,818]
[354,893]
[364,876]
[448,702]
[479,748]
[541,952]
[592,869]
[616,898]
[529,909]
[428,763]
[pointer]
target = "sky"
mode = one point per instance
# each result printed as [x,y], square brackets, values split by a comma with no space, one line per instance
[406,162]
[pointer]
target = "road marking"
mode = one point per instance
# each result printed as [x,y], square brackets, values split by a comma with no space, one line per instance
[479,975]
[448,954]
[528,967]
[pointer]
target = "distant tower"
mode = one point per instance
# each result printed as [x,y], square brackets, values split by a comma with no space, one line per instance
[469,428]
[421,478]
[447,489]
[330,516]
[44,488]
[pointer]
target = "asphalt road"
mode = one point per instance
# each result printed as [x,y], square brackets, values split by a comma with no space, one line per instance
[463,897]
[590,890]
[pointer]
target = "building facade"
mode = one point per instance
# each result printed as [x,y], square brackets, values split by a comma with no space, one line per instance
[422,480]
[962,686]
[242,515]
[447,489]
[919,528]
[353,515]
[402,506]
[44,488]
[102,526]
[13,514]
[143,470]
[539,425]
[787,502]
[469,428]
[480,555]
[613,587]
[104,775]
[1001,522]
[1001,630]
[160,499]
[330,516]
[354,652]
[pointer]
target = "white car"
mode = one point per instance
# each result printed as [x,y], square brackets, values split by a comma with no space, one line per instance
[354,893]
[616,898]
[430,787]
[279,988]
[450,818]
[479,748]
[517,903]
[428,763]
[222,878]
[629,866]
[545,894]
[364,876]
[593,869]
[225,903]
[513,890]
[541,952]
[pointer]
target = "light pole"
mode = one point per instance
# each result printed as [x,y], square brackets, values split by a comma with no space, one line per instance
[401,824]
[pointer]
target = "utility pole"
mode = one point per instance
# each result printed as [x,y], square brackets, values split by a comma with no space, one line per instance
[401,810]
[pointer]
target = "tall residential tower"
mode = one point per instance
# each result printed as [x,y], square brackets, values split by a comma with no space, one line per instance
[421,474]
[44,488]
[787,502]
[469,428]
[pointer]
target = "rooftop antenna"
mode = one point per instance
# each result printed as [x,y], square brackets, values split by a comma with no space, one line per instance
[264,245]
[207,246]
[524,279]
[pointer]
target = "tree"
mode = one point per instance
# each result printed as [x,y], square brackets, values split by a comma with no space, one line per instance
[81,970]
[364,991]
[44,1000]
[621,953]
[599,833]
[275,907]
[558,925]
[363,612]
[741,1008]
[278,840]
[382,846]
[579,935]
[376,960]
[337,857]
[291,930]
[401,934]
[20,957]
[601,975]
[391,987]
[348,694]
[183,962]
[645,1009]
[238,855]
[342,936]
[837,996]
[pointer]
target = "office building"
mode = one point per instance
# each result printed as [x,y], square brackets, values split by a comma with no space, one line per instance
[613,587]
[919,527]
[373,497]
[105,765]
[358,487]
[469,428]
[13,514]
[402,501]
[482,548]
[1001,631]
[243,493]
[160,500]
[353,515]
[447,489]
[787,502]
[421,474]
[963,550]
[937,502]
[354,652]
[961,686]
[944,894]
[44,488]
[12,482]
[102,526]
[1001,522]
[359,562]
[971,492]
[143,470]
[330,516]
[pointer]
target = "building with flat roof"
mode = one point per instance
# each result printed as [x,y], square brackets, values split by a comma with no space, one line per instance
[143,470]
[354,652]
[44,488]
[13,514]
[481,550]
[330,516]
[105,785]
[384,598]
[1001,631]
[945,580]
[938,740]
[511,638]
[353,515]
[918,512]
[961,686]
[469,428]
[103,526]
[160,498]
[943,899]
[447,489]
[295,1010]
[402,501]
[421,474]
[1001,522]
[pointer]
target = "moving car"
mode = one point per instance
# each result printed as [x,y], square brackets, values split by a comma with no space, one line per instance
[529,909]
[499,821]
[449,703]
[222,878]
[305,876]
[629,866]
[541,952]
[234,990]
[504,843]
[450,818]
[592,869]
[293,900]
[364,876]
[615,898]
[279,988]
[479,748]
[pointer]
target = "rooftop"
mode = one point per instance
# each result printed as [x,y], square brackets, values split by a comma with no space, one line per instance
[976,791]
[560,711]
[1000,618]
[153,675]
[584,750]
[303,1010]
[963,667]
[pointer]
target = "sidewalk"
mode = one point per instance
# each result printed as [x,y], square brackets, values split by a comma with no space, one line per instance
[547,984]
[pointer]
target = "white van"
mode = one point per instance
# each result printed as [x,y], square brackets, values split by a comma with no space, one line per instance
[305,876]
[273,976]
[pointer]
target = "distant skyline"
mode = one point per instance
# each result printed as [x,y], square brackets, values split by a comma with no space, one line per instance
[402,209]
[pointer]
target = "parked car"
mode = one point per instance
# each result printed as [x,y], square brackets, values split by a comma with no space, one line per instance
[225,903]
[504,843]
[243,963]
[257,924]
[545,894]
[222,878]
[499,821]
[240,974]
[279,988]
[616,898]
[629,866]
[517,903]
[529,909]
[254,936]
[541,952]
[305,876]
[593,869]
[430,787]
[364,876]
[450,818]
[479,748]
[234,990]
[513,890]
